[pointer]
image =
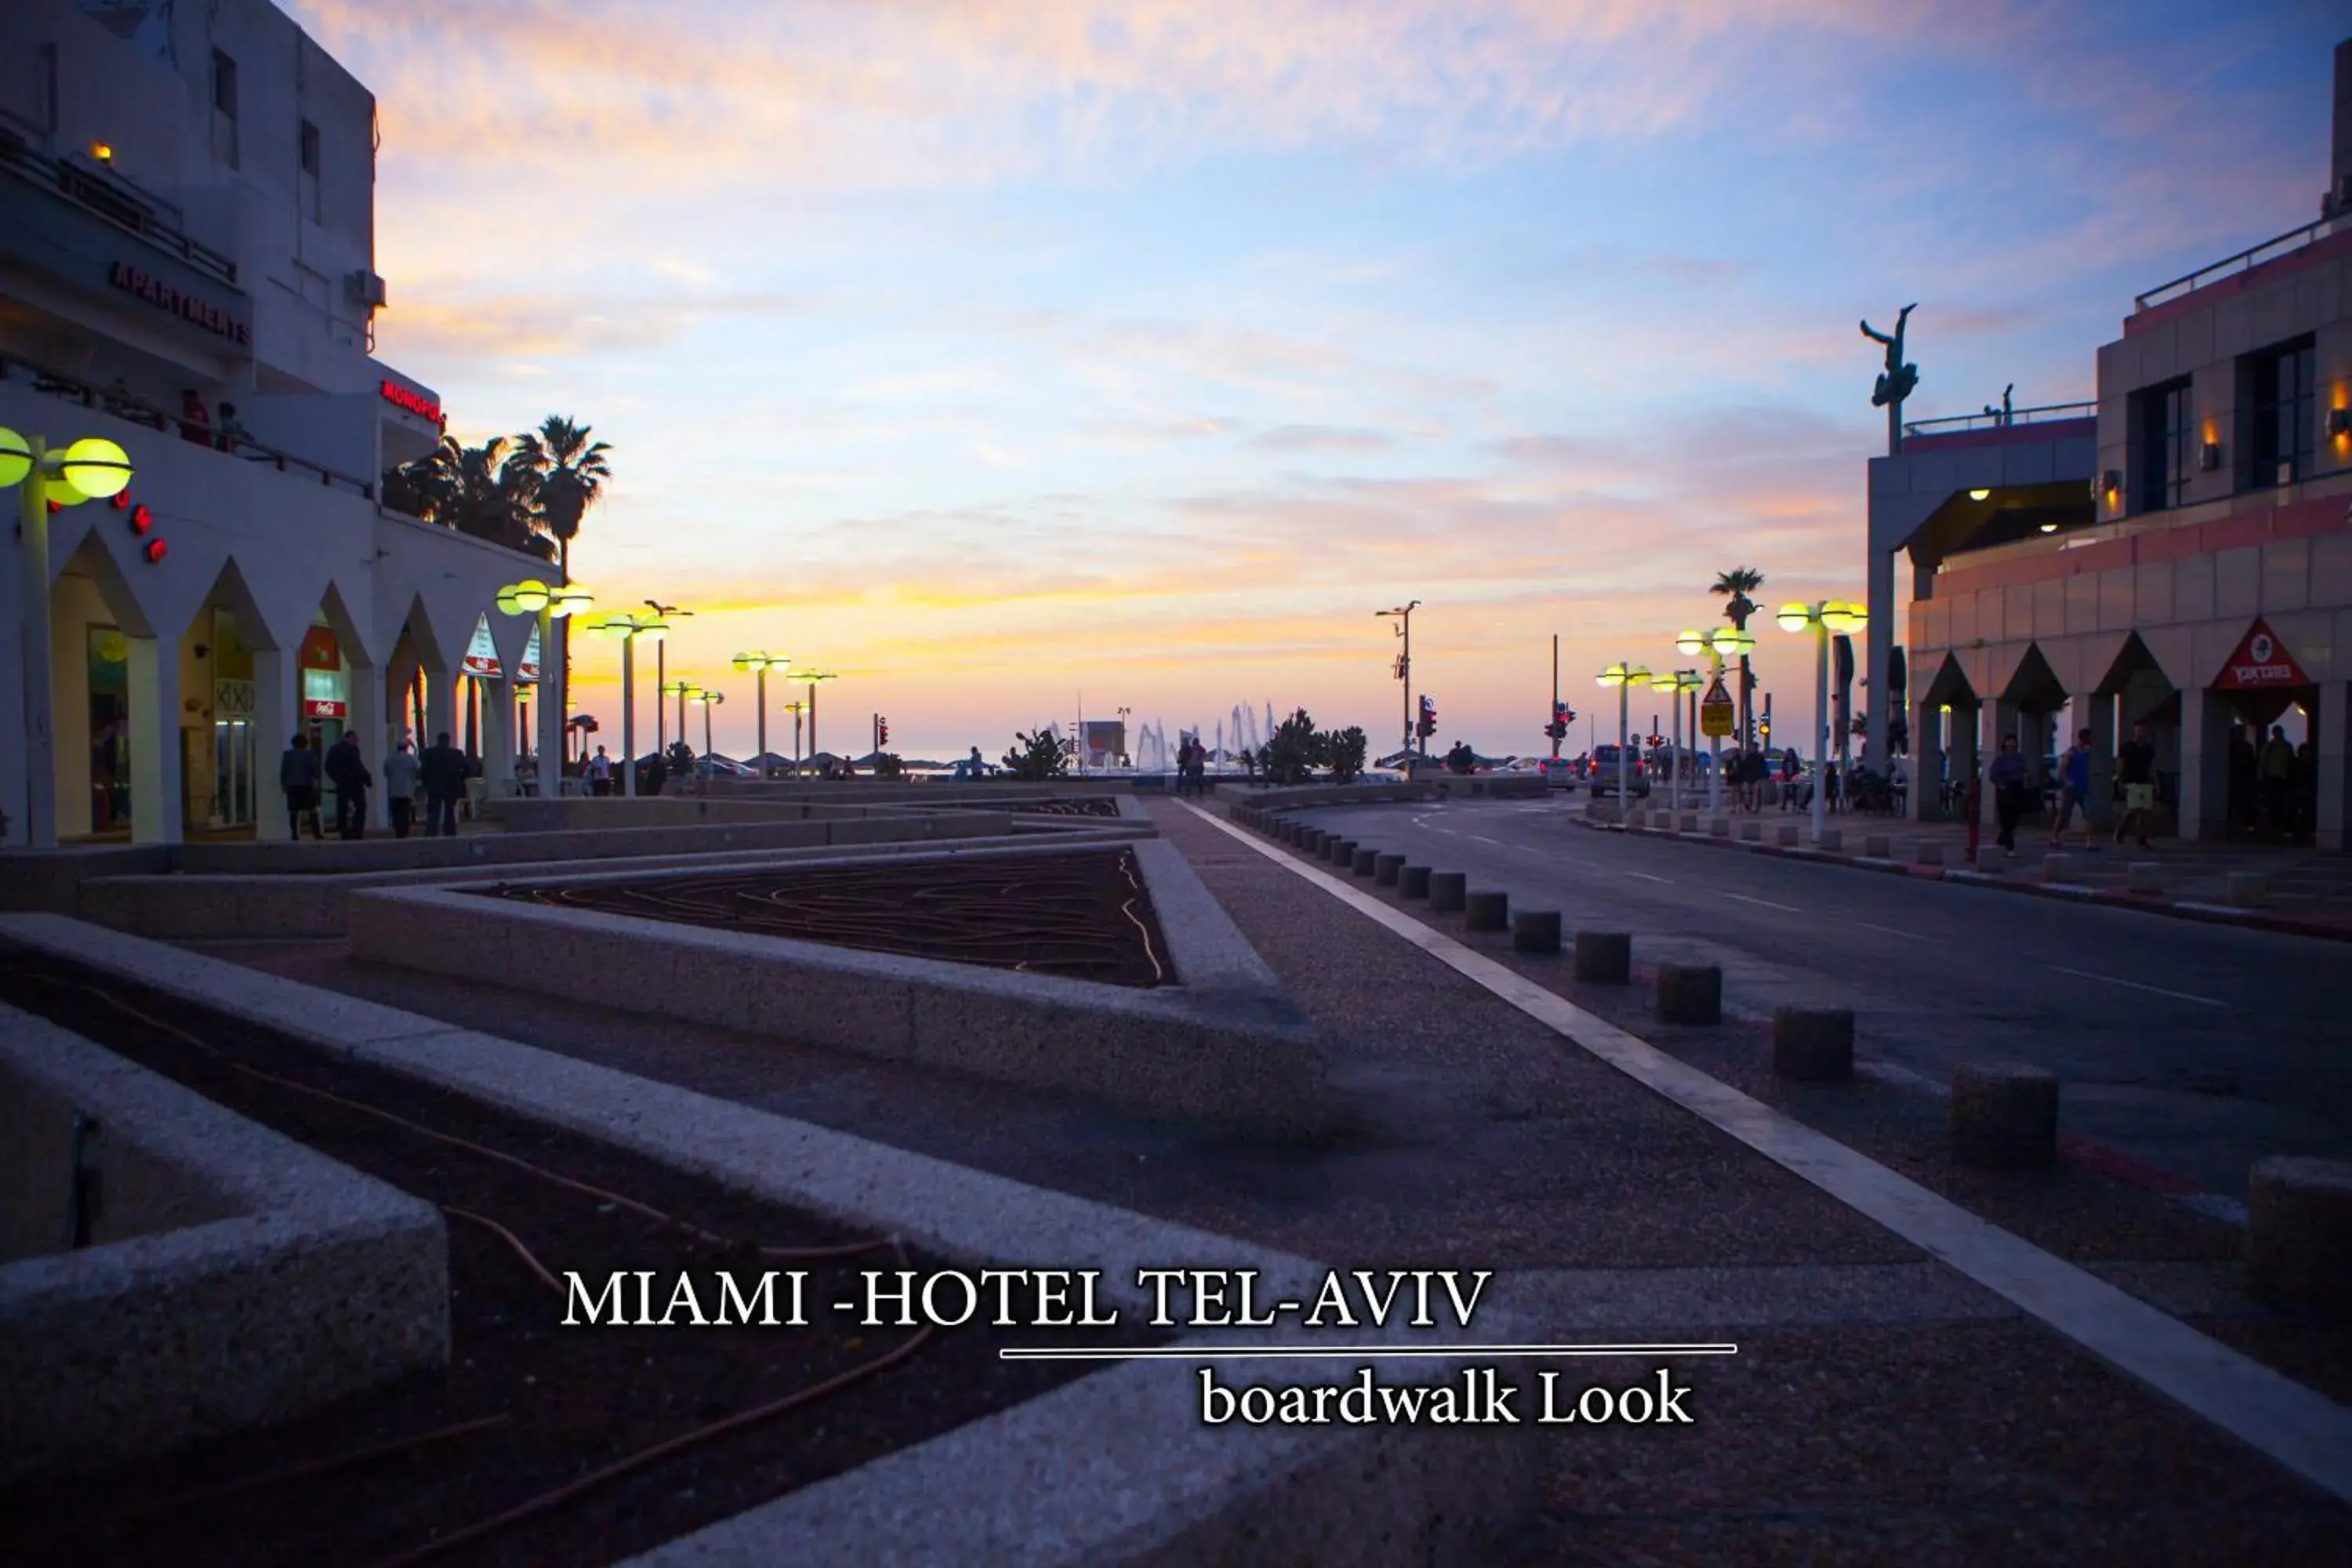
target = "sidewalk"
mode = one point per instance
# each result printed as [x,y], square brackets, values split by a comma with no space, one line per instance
[2305,891]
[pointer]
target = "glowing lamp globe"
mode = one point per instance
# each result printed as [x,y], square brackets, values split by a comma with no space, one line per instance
[527,597]
[1794,617]
[1613,676]
[60,492]
[15,460]
[1844,618]
[1665,683]
[1690,643]
[96,467]
[653,631]
[563,602]
[1731,642]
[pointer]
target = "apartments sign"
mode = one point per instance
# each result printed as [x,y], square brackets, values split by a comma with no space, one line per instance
[166,296]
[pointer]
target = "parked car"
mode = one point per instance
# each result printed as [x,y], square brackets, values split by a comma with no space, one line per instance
[1602,773]
[1561,772]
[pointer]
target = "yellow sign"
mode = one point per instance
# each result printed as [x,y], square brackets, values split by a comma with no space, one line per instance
[1715,718]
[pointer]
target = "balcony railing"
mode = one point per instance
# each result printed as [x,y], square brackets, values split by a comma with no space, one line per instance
[115,201]
[122,404]
[2244,261]
[2049,413]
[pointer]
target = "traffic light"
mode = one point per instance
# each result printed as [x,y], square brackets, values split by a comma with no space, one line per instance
[1562,716]
[1428,725]
[1763,728]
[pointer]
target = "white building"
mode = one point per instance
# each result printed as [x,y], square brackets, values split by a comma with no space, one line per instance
[187,210]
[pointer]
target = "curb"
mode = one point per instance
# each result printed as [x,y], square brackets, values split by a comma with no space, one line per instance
[2144,903]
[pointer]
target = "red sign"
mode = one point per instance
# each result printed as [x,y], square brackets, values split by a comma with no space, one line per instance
[414,403]
[321,650]
[187,306]
[2262,661]
[319,708]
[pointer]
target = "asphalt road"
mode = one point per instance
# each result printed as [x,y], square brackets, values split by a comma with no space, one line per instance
[2197,1049]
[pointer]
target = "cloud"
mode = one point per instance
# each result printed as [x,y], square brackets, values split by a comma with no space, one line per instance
[503,327]
[1322,438]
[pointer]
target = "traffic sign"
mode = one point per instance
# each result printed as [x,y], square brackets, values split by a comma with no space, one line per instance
[1715,710]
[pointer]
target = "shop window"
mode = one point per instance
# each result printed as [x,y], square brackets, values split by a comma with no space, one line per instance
[2278,414]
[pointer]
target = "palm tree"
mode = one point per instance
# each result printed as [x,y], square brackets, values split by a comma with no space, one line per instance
[568,473]
[1737,584]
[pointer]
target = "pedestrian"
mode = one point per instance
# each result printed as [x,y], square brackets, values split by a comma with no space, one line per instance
[2008,778]
[2075,792]
[400,789]
[348,771]
[297,775]
[600,773]
[2278,783]
[195,419]
[441,769]
[2135,776]
[979,769]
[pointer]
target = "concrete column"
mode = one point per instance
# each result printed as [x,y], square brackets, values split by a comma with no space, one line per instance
[498,734]
[2334,821]
[551,696]
[1929,744]
[440,708]
[155,785]
[2098,716]
[19,686]
[2205,719]
[277,717]
[1878,651]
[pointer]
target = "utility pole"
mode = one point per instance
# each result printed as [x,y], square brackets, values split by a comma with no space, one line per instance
[1402,615]
[661,673]
[1553,725]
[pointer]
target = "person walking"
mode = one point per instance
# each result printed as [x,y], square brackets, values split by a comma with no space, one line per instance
[2136,775]
[2278,783]
[348,771]
[2008,778]
[979,769]
[297,775]
[2075,792]
[442,771]
[600,773]
[400,789]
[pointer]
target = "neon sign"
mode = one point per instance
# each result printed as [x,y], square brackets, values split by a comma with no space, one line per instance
[414,403]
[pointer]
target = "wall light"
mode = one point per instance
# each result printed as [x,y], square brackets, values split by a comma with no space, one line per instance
[2210,458]
[102,150]
[1979,495]
[2339,422]
[2049,527]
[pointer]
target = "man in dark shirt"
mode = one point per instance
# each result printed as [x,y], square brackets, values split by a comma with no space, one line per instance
[2136,773]
[348,771]
[2009,779]
[441,773]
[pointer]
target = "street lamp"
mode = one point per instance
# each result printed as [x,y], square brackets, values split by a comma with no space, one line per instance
[1720,646]
[707,701]
[796,709]
[92,469]
[1624,677]
[812,677]
[661,670]
[1830,615]
[627,629]
[1126,753]
[1403,616]
[532,597]
[684,690]
[760,664]
[1677,682]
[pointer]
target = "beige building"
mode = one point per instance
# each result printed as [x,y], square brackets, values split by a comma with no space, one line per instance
[2177,554]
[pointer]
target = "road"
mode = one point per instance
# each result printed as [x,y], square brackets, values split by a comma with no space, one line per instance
[2197,1049]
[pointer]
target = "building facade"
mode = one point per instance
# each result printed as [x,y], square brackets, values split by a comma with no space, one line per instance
[2177,554]
[187,269]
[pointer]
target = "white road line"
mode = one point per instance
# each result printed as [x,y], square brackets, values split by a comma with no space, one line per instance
[1787,908]
[2303,1430]
[1894,931]
[2135,985]
[1484,839]
[1669,881]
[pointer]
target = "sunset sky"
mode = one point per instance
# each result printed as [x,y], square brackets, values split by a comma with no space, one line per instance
[1005,355]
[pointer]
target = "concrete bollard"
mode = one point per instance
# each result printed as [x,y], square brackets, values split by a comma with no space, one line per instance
[2247,890]
[1385,870]
[2145,876]
[1412,882]
[2299,1233]
[1364,861]
[1832,840]
[1340,852]
[1311,840]
[1605,957]
[1990,857]
[1487,910]
[1927,852]
[1814,1045]
[1687,823]
[1690,994]
[1788,837]
[2059,868]
[1448,891]
[1534,931]
[1877,846]
[2004,1116]
[1751,833]
[1718,827]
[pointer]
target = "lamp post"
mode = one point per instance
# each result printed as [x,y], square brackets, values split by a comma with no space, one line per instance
[1676,683]
[1830,615]
[1624,677]
[707,701]
[92,469]
[1721,646]
[812,677]
[665,613]
[627,629]
[532,597]
[685,691]
[795,709]
[1403,616]
[759,664]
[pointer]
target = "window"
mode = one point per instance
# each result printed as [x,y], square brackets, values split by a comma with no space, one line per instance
[309,149]
[224,84]
[2278,422]
[2164,449]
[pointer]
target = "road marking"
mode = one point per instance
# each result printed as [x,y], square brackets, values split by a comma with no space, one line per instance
[1669,881]
[1786,908]
[1481,838]
[1893,931]
[2135,985]
[2300,1428]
